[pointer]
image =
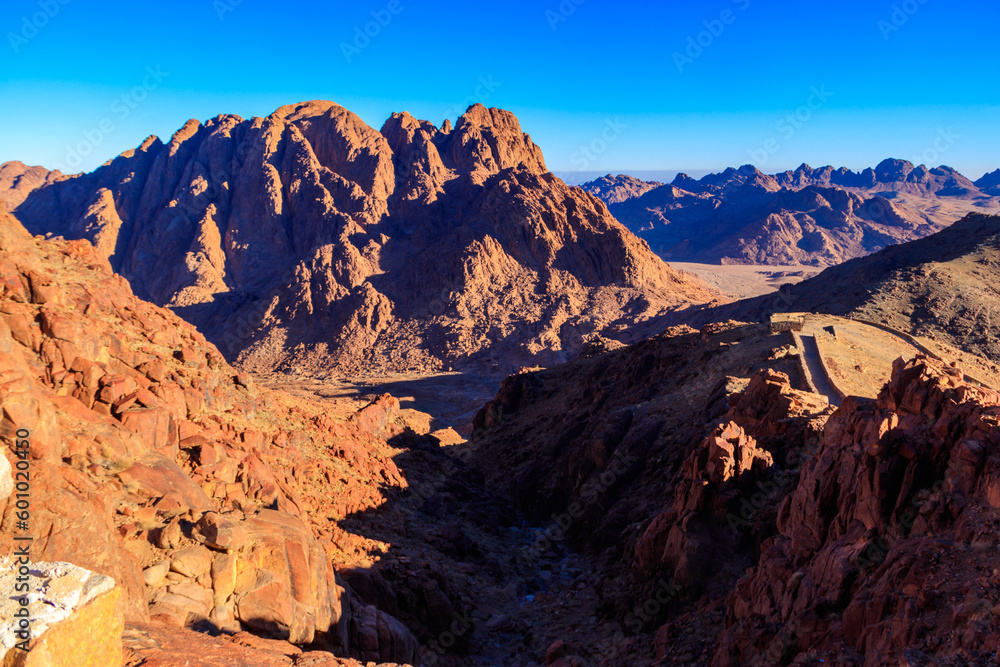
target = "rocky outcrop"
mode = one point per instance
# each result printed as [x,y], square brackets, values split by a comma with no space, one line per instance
[724,498]
[71,616]
[155,464]
[679,542]
[18,180]
[309,239]
[883,551]
[817,217]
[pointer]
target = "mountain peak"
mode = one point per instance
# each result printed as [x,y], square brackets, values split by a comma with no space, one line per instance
[308,237]
[892,170]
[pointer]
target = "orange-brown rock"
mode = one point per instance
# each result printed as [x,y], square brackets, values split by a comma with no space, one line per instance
[156,464]
[309,239]
[148,645]
[884,551]
[680,542]
[72,616]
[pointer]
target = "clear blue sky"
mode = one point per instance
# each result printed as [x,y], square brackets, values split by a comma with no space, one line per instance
[572,74]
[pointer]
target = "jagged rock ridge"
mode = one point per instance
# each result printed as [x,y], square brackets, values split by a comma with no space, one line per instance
[309,238]
[617,189]
[818,217]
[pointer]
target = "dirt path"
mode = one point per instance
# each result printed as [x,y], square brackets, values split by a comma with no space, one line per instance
[811,357]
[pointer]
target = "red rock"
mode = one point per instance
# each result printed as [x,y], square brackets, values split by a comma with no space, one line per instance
[191,562]
[163,477]
[218,533]
[156,427]
[148,645]
[857,530]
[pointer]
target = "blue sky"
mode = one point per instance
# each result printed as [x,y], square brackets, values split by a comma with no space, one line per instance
[601,86]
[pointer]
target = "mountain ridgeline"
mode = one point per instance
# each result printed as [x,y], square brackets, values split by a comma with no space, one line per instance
[309,240]
[815,217]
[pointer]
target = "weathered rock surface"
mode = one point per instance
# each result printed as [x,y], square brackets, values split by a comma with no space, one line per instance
[156,464]
[885,546]
[309,239]
[72,616]
[149,645]
[787,532]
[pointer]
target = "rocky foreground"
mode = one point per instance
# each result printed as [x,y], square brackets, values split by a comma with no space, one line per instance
[789,532]
[211,503]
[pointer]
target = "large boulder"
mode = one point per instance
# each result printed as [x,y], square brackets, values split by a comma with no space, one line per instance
[71,616]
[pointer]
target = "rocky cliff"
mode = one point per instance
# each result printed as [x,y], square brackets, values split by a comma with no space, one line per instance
[153,462]
[885,550]
[310,239]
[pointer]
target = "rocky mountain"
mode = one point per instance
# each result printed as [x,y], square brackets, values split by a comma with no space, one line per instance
[18,180]
[815,217]
[895,176]
[990,183]
[308,239]
[616,189]
[678,500]
[233,521]
[737,519]
[942,287]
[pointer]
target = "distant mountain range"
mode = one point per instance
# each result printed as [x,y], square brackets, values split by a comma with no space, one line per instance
[308,239]
[815,217]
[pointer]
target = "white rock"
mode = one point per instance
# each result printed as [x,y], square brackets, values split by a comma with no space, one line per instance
[56,590]
[6,481]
